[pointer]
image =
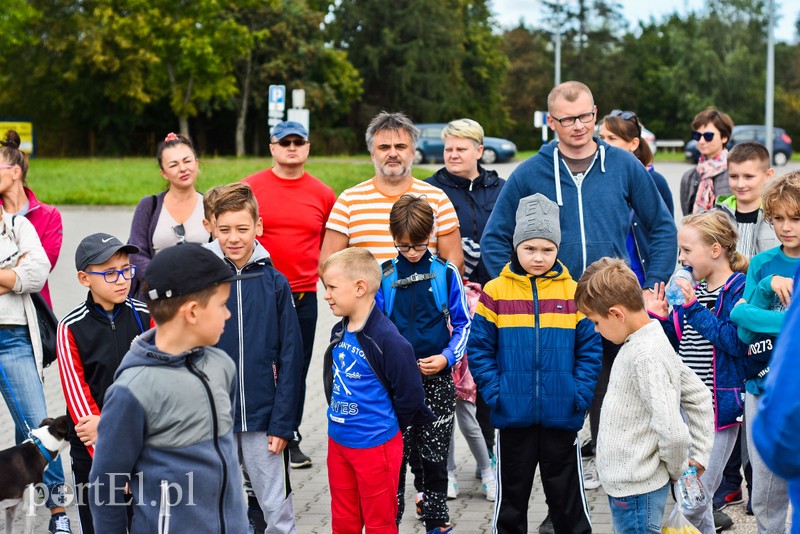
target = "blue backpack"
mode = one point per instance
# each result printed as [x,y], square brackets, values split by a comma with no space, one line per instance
[437,276]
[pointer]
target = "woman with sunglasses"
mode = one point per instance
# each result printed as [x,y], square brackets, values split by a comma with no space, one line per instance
[18,199]
[702,185]
[173,216]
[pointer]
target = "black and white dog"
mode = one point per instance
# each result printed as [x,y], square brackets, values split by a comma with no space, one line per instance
[25,464]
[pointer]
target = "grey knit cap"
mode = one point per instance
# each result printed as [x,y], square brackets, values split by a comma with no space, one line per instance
[537,216]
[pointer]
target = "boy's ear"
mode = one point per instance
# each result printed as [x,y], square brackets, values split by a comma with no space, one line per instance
[259,226]
[362,287]
[770,173]
[617,313]
[207,225]
[83,279]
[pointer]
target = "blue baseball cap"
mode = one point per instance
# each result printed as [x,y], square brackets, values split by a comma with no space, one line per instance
[282,129]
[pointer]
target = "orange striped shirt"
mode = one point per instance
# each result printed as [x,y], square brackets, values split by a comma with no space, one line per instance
[362,214]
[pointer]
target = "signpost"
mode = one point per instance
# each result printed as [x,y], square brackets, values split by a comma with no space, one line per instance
[277,103]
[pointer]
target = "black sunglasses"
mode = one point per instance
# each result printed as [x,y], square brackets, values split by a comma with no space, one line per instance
[708,136]
[286,142]
[180,233]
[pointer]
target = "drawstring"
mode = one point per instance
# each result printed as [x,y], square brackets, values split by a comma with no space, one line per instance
[602,158]
[559,200]
[163,512]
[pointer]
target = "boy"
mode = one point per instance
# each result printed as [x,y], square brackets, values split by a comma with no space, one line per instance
[263,338]
[167,423]
[209,200]
[643,442]
[760,315]
[419,293]
[374,389]
[92,340]
[536,360]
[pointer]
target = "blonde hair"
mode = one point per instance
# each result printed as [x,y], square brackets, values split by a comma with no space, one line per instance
[569,91]
[210,201]
[605,283]
[464,129]
[716,227]
[357,264]
[782,192]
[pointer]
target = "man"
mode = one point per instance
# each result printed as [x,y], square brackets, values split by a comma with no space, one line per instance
[596,186]
[360,217]
[294,207]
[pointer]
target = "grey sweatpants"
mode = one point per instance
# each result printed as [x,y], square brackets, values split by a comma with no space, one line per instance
[770,492]
[468,424]
[724,440]
[269,474]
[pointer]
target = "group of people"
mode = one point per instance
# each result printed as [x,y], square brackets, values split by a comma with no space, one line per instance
[514,307]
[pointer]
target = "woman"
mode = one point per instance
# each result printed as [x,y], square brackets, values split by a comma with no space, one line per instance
[173,216]
[702,185]
[23,270]
[18,199]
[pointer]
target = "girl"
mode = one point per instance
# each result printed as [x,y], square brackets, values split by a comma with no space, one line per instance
[702,332]
[173,216]
[702,185]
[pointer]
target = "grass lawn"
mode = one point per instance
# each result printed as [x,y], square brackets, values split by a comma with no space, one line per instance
[125,181]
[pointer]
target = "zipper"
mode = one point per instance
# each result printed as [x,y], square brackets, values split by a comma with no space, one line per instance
[240,335]
[536,352]
[215,429]
[579,187]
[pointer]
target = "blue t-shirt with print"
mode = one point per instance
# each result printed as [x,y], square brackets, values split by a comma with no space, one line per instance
[360,414]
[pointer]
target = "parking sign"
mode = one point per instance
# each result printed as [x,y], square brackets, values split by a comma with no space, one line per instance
[277,97]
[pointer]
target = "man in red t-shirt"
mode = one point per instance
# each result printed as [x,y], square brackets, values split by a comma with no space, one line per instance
[294,207]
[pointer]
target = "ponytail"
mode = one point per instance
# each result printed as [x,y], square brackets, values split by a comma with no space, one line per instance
[739,263]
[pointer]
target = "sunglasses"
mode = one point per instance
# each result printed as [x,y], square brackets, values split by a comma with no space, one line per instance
[624,115]
[286,142]
[180,233]
[708,136]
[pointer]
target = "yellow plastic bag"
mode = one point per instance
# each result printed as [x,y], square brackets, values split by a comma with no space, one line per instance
[677,523]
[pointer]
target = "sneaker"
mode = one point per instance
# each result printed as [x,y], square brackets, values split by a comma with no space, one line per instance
[419,503]
[749,508]
[297,459]
[59,523]
[255,516]
[547,526]
[490,489]
[734,497]
[452,486]
[722,521]
[590,479]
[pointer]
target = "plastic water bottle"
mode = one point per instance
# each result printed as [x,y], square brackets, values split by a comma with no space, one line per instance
[674,293]
[691,492]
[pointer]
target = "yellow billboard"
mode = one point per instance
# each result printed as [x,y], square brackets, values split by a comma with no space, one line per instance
[23,128]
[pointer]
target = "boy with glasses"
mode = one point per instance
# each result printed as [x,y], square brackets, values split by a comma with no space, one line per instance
[92,340]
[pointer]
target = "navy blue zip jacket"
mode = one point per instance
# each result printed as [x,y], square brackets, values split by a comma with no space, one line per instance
[594,214]
[392,360]
[263,338]
[474,201]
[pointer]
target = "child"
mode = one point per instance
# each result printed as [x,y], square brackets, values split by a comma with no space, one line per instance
[760,316]
[167,419]
[92,339]
[263,338]
[373,388]
[209,200]
[536,360]
[420,293]
[643,442]
[704,335]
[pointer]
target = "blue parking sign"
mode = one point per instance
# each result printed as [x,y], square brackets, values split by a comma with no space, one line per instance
[277,97]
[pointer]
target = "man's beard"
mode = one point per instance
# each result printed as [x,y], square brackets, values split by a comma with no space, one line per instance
[393,175]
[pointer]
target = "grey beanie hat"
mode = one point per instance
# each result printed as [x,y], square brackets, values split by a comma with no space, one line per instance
[537,216]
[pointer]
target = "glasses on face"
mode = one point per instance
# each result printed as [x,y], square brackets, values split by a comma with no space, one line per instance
[416,248]
[569,121]
[286,142]
[111,276]
[708,136]
[180,233]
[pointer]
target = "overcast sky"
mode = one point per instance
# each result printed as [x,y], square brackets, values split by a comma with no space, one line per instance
[509,12]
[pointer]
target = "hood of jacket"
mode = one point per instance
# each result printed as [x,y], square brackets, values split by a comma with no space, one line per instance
[259,253]
[144,353]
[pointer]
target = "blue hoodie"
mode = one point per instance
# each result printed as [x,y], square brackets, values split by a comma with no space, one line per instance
[594,214]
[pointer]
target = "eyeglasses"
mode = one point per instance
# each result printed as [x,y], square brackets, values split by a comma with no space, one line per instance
[569,121]
[416,248]
[111,276]
[286,142]
[180,233]
[708,136]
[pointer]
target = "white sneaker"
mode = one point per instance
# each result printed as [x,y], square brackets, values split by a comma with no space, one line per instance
[590,479]
[490,489]
[452,486]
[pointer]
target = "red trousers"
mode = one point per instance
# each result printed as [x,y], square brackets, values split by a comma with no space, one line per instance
[363,485]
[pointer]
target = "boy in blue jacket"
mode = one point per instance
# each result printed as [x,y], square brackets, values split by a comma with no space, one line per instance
[421,294]
[535,359]
[263,338]
[374,389]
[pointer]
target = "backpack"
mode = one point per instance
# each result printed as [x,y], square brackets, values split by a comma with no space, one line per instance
[437,275]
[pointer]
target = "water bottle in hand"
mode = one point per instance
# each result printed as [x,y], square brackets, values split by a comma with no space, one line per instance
[674,293]
[690,490]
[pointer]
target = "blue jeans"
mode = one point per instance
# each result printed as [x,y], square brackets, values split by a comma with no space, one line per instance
[17,360]
[639,513]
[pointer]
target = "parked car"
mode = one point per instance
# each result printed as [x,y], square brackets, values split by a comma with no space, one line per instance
[781,144]
[431,147]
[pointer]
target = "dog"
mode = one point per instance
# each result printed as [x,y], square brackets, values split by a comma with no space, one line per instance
[24,464]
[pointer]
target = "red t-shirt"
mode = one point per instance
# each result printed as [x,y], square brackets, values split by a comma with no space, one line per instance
[294,214]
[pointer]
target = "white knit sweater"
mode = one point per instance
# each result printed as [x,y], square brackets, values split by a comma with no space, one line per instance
[643,441]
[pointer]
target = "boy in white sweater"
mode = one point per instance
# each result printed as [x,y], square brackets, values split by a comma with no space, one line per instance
[644,443]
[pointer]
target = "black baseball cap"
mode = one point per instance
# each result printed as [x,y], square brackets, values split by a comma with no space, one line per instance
[186,268]
[98,248]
